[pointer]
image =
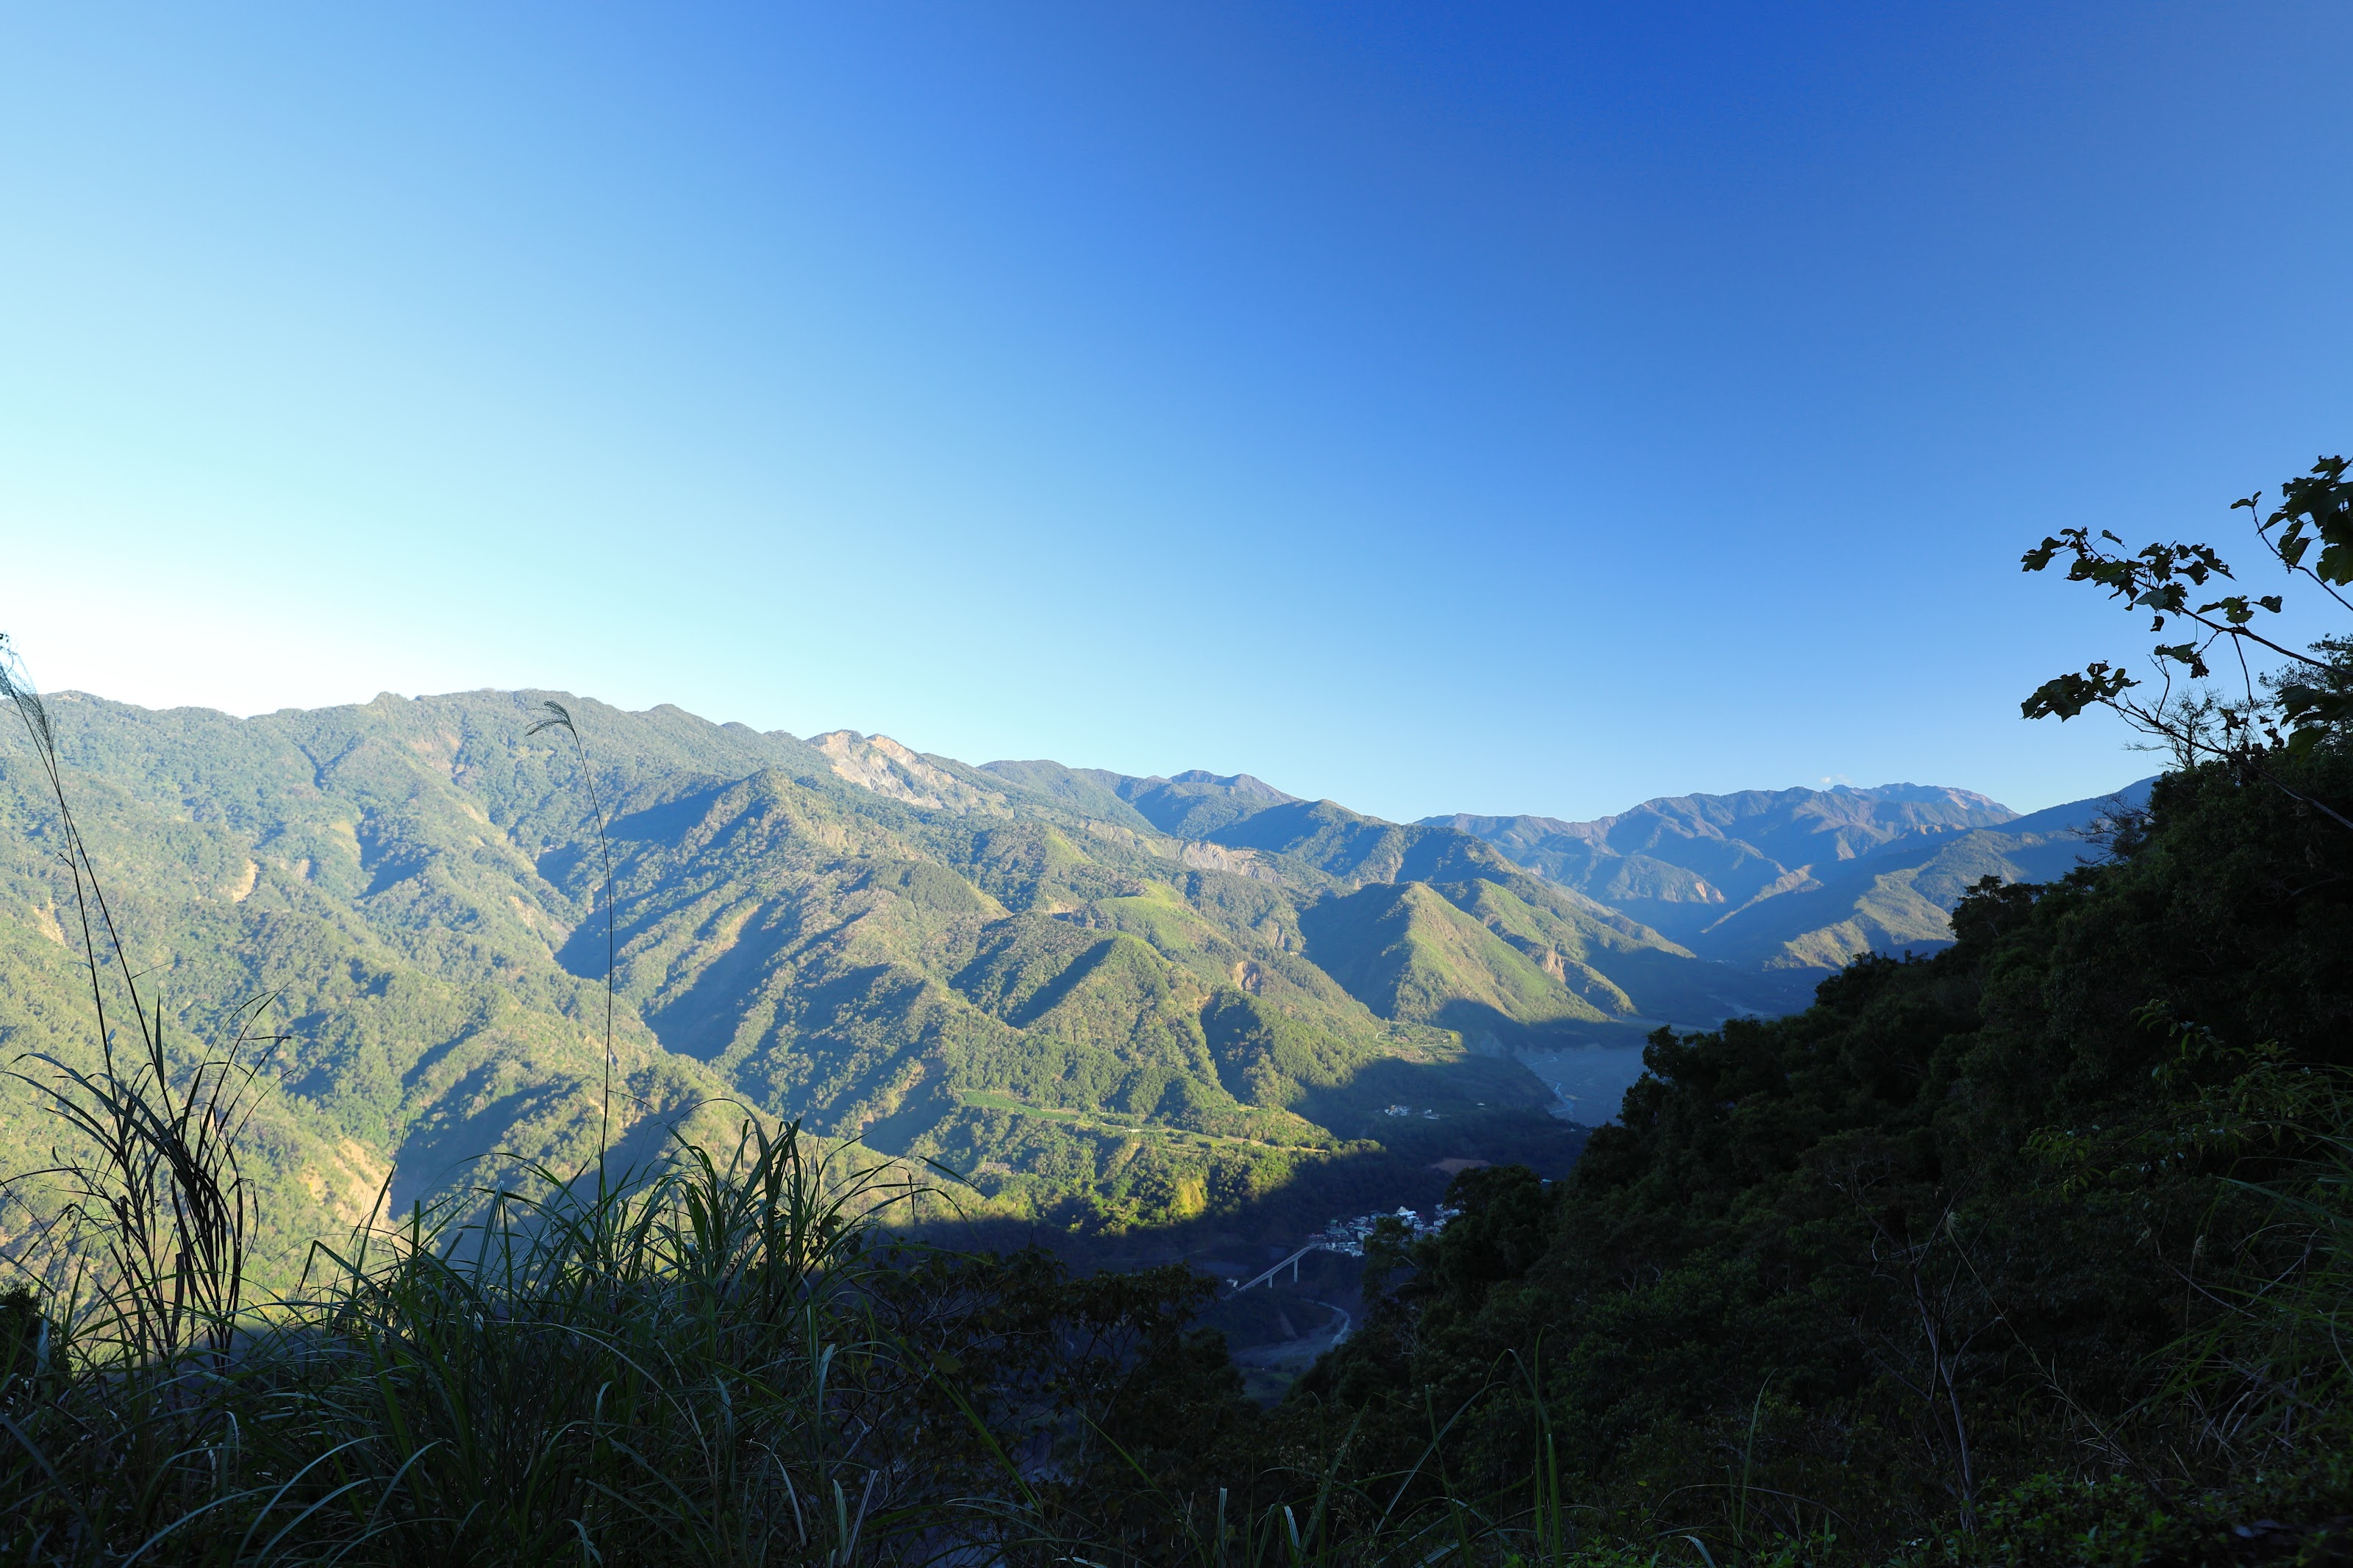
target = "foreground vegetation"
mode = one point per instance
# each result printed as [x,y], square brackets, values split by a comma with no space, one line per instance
[2033,1251]
[2036,1250]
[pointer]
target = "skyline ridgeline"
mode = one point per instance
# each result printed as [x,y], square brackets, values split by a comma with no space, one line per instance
[1107,1001]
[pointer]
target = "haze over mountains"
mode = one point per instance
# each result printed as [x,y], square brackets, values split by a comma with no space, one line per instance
[1799,879]
[1108,1000]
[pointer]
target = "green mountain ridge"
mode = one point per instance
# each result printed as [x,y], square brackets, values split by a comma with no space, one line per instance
[1108,1000]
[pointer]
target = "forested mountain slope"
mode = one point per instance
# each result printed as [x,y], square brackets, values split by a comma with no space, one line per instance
[1108,998]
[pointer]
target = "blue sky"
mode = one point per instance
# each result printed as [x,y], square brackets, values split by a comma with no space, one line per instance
[1488,408]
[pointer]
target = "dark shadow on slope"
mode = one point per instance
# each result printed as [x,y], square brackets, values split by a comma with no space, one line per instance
[1361,1104]
[920,1111]
[1695,994]
[667,824]
[637,1150]
[845,1041]
[701,1019]
[557,865]
[387,859]
[440,1154]
[1488,1029]
[1048,996]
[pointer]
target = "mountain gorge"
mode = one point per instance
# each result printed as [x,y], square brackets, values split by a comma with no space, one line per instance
[1105,1000]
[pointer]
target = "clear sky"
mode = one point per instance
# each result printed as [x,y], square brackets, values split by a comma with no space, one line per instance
[1436,407]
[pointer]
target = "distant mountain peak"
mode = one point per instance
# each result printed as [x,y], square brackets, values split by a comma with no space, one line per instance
[1943,795]
[1240,785]
[1812,876]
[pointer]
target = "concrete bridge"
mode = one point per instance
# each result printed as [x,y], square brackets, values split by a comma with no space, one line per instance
[1291,1263]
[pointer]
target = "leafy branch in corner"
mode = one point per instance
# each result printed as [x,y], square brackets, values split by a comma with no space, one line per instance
[2294,708]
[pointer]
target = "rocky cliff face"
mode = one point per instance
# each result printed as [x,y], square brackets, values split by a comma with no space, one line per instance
[880,763]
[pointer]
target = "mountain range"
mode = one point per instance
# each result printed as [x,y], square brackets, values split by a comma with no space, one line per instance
[1798,881]
[1106,1000]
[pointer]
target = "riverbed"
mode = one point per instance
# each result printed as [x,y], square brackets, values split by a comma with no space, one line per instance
[1589,1083]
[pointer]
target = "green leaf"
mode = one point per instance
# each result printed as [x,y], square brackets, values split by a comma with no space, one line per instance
[2063,697]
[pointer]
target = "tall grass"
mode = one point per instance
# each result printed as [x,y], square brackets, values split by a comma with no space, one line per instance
[691,1366]
[156,1203]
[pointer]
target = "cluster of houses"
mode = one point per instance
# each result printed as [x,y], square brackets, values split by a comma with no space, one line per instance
[1347,1236]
